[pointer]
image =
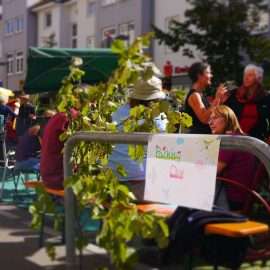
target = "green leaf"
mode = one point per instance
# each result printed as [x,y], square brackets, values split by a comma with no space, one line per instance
[121,170]
[129,126]
[50,249]
[164,227]
[148,73]
[137,111]
[118,46]
[164,106]
[125,74]
[136,152]
[64,136]
[186,120]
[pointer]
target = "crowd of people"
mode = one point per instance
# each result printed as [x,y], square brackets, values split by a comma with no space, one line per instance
[243,111]
[250,102]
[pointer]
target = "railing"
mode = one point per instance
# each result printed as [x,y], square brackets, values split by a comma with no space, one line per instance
[254,146]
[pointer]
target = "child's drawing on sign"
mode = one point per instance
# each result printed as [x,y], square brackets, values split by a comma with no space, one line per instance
[176,173]
[174,165]
[199,164]
[207,148]
[162,152]
[212,146]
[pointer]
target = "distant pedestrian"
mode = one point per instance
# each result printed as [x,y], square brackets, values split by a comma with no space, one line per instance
[26,115]
[168,72]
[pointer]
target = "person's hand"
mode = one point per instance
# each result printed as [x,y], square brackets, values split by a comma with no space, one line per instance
[268,140]
[74,113]
[222,93]
[34,130]
[32,116]
[221,90]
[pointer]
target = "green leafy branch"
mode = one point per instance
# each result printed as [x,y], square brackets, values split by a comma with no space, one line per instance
[89,108]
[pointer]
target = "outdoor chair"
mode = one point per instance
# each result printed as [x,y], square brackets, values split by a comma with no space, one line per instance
[58,197]
[7,162]
[23,175]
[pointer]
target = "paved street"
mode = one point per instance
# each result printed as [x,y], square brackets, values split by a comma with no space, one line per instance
[19,245]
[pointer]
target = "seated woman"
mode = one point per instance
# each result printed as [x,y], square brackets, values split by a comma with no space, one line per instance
[142,94]
[233,164]
[27,150]
[29,145]
[196,104]
[11,138]
[251,103]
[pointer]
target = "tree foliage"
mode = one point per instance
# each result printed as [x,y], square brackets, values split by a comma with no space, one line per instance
[223,31]
[94,181]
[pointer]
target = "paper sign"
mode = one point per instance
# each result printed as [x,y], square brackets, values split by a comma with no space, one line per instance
[181,169]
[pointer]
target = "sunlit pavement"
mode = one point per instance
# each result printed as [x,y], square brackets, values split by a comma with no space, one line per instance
[19,247]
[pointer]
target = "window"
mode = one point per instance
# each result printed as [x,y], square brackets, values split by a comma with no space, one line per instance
[9,27]
[127,32]
[108,35]
[19,62]
[74,33]
[91,8]
[48,19]
[74,43]
[90,42]
[6,28]
[19,24]
[74,30]
[107,2]
[10,64]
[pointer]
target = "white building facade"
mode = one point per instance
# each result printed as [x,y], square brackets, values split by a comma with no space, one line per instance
[56,22]
[18,33]
[87,11]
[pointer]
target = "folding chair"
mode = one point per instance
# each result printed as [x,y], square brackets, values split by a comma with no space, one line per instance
[22,175]
[7,162]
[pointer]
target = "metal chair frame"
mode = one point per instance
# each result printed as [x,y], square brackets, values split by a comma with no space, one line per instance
[7,162]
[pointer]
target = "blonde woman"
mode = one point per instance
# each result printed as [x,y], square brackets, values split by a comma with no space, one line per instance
[233,164]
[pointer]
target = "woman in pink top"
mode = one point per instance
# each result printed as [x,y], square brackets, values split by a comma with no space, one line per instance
[233,164]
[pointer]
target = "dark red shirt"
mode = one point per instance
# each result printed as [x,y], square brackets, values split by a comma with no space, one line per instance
[51,163]
[249,117]
[241,167]
[168,69]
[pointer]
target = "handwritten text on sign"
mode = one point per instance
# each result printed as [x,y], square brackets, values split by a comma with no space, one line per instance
[181,169]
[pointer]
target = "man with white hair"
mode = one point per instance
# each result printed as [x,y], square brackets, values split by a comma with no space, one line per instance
[251,103]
